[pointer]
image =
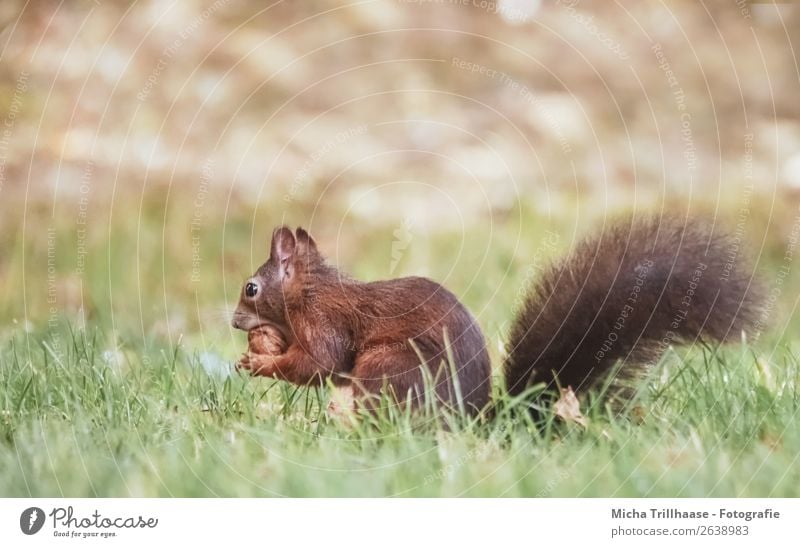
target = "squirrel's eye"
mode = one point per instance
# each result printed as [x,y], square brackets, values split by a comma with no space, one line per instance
[251,289]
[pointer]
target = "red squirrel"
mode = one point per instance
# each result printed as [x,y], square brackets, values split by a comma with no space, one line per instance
[621,296]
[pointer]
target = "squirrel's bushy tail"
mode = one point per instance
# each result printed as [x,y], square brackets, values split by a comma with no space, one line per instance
[626,294]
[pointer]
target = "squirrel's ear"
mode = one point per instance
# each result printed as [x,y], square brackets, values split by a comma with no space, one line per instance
[305,242]
[282,248]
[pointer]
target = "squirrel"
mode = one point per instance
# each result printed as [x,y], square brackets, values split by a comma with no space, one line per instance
[620,297]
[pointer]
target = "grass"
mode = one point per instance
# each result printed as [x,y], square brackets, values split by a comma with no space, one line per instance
[121,390]
[153,422]
[110,381]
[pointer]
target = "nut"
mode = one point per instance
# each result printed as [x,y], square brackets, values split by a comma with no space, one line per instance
[266,340]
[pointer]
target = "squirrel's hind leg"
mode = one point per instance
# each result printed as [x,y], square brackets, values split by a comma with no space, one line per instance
[397,373]
[407,380]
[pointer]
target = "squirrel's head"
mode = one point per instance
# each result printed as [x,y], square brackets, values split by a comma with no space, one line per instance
[292,265]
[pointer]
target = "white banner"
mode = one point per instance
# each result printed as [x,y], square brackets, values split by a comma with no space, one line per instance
[400,522]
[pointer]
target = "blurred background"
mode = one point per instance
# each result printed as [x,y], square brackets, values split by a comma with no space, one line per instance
[148,148]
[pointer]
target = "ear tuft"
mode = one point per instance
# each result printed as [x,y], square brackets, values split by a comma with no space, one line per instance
[283,243]
[305,241]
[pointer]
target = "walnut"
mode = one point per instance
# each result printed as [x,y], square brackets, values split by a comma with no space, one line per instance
[266,340]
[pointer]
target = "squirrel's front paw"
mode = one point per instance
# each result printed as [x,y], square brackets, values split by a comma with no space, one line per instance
[257,364]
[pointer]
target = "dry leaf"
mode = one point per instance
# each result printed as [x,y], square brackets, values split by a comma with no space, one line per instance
[772,442]
[568,408]
[639,413]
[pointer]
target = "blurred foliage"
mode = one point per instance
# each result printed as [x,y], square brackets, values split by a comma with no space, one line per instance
[153,135]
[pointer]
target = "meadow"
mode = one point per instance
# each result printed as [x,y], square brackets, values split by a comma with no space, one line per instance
[149,148]
[118,383]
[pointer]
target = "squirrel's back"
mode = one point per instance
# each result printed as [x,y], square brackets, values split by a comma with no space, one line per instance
[625,295]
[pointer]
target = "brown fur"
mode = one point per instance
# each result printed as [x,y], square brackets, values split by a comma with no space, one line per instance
[582,318]
[385,335]
[578,321]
